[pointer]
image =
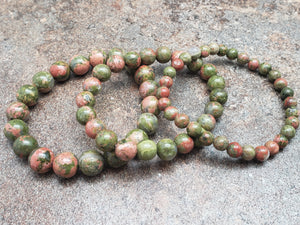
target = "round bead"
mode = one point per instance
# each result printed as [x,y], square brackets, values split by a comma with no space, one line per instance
[194,129]
[148,88]
[177,64]
[243,58]
[126,150]
[101,72]
[166,149]
[290,102]
[182,120]
[79,65]
[146,150]
[175,55]
[148,122]
[163,92]
[17,110]
[214,108]
[143,74]
[97,56]
[248,152]
[43,81]
[286,92]
[232,53]
[116,51]
[273,147]
[91,163]
[206,138]
[222,50]
[207,121]
[170,113]
[194,52]
[163,54]
[262,153]
[234,150]
[253,64]
[293,111]
[221,143]
[85,98]
[137,136]
[214,48]
[288,131]
[41,160]
[85,114]
[216,82]
[186,58]
[184,143]
[281,140]
[205,51]
[280,83]
[93,85]
[60,71]
[65,165]
[264,69]
[195,66]
[218,95]
[166,81]
[163,103]
[93,127]
[112,160]
[148,56]
[14,129]
[150,105]
[169,71]
[28,94]
[132,60]
[116,63]
[274,75]
[293,121]
[208,70]
[24,145]
[106,140]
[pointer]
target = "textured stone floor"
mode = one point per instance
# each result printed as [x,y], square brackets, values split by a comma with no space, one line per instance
[204,187]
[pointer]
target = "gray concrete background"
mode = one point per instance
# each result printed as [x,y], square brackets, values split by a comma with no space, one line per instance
[204,187]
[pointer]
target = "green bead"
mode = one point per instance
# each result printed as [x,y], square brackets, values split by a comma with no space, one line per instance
[248,152]
[102,72]
[286,92]
[214,48]
[195,66]
[148,56]
[166,149]
[14,129]
[288,131]
[132,60]
[43,81]
[184,143]
[194,52]
[186,58]
[24,145]
[106,140]
[85,114]
[264,69]
[293,111]
[170,113]
[216,82]
[273,75]
[146,150]
[85,98]
[218,95]
[206,139]
[207,121]
[232,53]
[221,143]
[293,121]
[243,58]
[137,135]
[182,120]
[163,54]
[194,129]
[214,108]
[205,51]
[143,74]
[91,163]
[148,122]
[28,94]
[169,71]
[208,70]
[222,50]
[112,160]
[116,51]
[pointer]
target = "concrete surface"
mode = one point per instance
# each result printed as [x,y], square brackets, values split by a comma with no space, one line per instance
[204,187]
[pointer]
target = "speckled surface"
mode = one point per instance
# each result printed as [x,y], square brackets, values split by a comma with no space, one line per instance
[204,187]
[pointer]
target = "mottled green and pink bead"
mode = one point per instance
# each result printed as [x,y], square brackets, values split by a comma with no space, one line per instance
[106,140]
[194,129]
[97,56]
[148,122]
[221,143]
[93,127]
[206,138]
[41,160]
[116,63]
[262,153]
[170,113]
[85,98]
[166,149]
[143,74]
[17,110]
[91,163]
[148,56]
[65,165]
[93,85]
[126,149]
[43,81]
[28,94]
[79,65]
[207,121]
[85,114]
[24,145]
[137,136]
[234,150]
[182,120]
[148,88]
[14,129]
[60,71]
[163,54]
[214,108]
[150,105]
[132,60]
[184,143]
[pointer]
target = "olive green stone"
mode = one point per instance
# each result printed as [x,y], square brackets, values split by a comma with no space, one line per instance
[148,122]
[286,92]
[170,113]
[214,48]
[169,71]
[208,122]
[143,74]
[242,58]
[91,163]
[273,75]
[206,139]
[166,149]
[28,94]
[163,54]
[43,81]
[194,129]
[196,65]
[106,140]
[216,82]
[15,128]
[102,72]
[248,152]
[214,108]
[293,111]
[221,143]
[146,150]
[24,145]
[218,95]
[232,53]
[148,56]
[116,51]
[112,160]
[222,50]
[208,70]
[132,60]
[137,135]
[264,69]
[288,131]
[85,114]
[186,58]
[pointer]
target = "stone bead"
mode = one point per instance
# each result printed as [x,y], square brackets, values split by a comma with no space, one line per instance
[166,81]
[162,92]
[221,143]
[101,72]
[43,81]
[163,103]
[24,145]
[286,92]
[290,102]
[293,121]
[14,129]
[169,71]
[273,147]
[170,113]
[280,83]
[194,129]
[166,149]
[148,88]
[17,110]
[93,85]
[91,163]
[85,114]
[148,56]
[148,122]
[234,150]
[184,143]
[195,53]
[243,58]
[126,150]
[65,165]
[206,138]
[163,54]
[60,71]
[116,51]
[218,95]
[262,153]
[274,75]
[281,140]
[93,127]
[288,131]
[195,66]
[208,70]
[232,53]
[182,120]
[177,64]
[41,160]
[28,94]
[214,48]
[293,111]
[253,64]
[216,82]
[222,50]
[116,63]
[175,55]
[248,152]
[132,60]
[205,51]
[79,65]
[264,69]
[150,105]
[143,74]
[146,150]
[97,57]
[207,121]
[106,140]
[85,98]
[137,136]
[214,108]
[186,58]
[113,161]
